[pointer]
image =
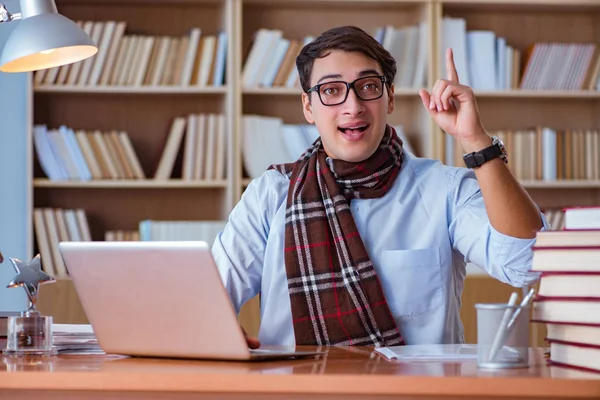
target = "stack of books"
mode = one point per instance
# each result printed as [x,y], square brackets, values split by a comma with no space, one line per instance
[568,299]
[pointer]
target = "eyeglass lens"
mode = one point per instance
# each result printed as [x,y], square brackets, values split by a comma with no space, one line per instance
[368,88]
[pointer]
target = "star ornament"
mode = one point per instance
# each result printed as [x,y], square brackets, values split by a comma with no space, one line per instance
[30,276]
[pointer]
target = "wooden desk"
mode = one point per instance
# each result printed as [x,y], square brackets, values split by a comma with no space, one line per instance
[349,373]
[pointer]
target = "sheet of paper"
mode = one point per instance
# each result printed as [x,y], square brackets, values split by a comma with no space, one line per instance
[430,352]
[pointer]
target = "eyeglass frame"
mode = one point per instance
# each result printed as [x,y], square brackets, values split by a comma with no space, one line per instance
[349,85]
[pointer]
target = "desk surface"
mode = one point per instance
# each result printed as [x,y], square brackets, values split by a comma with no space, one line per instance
[341,372]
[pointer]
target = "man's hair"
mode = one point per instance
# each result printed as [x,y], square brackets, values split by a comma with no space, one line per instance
[345,38]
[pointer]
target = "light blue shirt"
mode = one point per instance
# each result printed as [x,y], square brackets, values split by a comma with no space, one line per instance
[420,236]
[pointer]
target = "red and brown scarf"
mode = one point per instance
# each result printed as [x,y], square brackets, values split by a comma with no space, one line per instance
[335,294]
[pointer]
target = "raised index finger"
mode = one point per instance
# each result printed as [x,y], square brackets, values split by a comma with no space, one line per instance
[451,73]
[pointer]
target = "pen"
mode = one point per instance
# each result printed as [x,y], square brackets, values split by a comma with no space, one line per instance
[523,304]
[499,337]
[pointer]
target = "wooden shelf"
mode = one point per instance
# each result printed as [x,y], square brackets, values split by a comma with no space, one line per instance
[571,184]
[130,89]
[129,184]
[283,91]
[540,94]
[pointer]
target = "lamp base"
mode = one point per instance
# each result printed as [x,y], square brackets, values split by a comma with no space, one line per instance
[29,335]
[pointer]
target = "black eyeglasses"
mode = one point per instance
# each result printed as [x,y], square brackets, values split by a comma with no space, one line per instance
[336,92]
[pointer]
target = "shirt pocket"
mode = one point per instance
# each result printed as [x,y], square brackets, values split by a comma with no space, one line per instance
[412,281]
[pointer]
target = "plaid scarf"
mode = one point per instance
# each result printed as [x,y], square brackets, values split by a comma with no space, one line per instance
[335,294]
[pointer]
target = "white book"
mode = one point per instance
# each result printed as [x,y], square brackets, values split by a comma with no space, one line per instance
[274,63]
[508,66]
[482,59]
[206,60]
[201,126]
[190,57]
[135,62]
[47,158]
[454,36]
[220,150]
[111,55]
[167,160]
[72,227]
[252,63]
[548,154]
[161,61]
[103,49]
[420,76]
[88,153]
[82,223]
[43,242]
[144,61]
[58,142]
[132,158]
[84,75]
[128,60]
[267,56]
[189,147]
[211,132]
[500,63]
[409,56]
[120,60]
[52,232]
[221,56]
[75,152]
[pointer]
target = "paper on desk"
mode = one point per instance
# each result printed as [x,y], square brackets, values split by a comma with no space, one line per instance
[430,352]
[72,329]
[75,339]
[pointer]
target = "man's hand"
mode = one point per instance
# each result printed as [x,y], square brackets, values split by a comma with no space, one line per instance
[253,343]
[454,109]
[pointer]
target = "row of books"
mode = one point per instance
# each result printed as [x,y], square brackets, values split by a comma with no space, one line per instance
[271,58]
[562,66]
[123,59]
[483,60]
[543,153]
[555,218]
[408,45]
[568,298]
[54,225]
[64,154]
[203,140]
[153,230]
[267,141]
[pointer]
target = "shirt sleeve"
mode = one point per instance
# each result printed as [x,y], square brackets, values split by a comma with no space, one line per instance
[504,257]
[240,248]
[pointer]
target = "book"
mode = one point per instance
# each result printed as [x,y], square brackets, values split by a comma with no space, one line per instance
[582,218]
[584,334]
[570,284]
[578,311]
[575,355]
[566,258]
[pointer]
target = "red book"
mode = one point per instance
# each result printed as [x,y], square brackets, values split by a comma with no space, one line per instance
[575,355]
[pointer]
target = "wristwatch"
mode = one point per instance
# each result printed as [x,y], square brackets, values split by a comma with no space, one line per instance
[478,158]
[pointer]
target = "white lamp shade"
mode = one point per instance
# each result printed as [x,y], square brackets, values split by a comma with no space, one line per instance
[45,41]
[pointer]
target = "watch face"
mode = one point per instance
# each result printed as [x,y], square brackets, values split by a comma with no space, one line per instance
[496,141]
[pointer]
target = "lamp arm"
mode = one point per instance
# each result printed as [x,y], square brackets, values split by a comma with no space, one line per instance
[6,16]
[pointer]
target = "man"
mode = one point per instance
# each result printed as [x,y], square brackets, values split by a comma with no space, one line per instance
[358,242]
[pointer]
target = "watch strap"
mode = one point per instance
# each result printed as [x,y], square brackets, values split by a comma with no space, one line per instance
[478,158]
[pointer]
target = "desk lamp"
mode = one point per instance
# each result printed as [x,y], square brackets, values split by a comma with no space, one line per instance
[42,39]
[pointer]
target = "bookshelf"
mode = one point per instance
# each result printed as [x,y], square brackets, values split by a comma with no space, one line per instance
[145,112]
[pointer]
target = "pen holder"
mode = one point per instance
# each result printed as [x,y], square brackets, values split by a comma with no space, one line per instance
[500,346]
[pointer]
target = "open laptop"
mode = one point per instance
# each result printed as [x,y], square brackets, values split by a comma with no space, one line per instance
[159,299]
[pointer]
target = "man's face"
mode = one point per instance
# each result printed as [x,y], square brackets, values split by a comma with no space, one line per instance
[350,131]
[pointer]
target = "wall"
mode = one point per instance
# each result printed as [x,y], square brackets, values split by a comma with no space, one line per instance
[14,173]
